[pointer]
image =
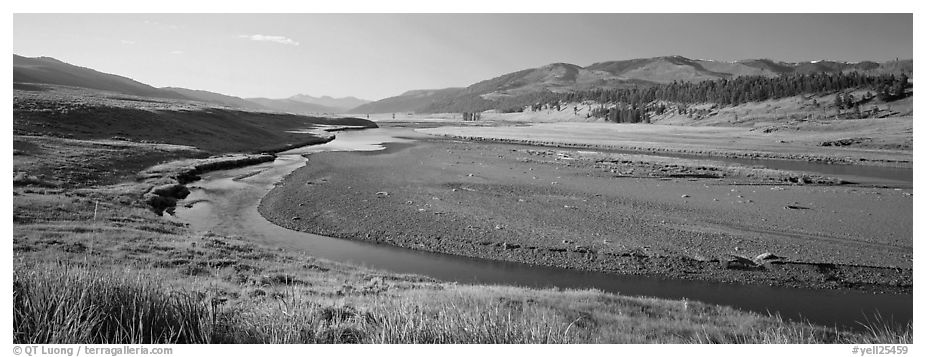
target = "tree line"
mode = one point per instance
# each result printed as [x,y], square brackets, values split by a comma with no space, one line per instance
[634,103]
[744,89]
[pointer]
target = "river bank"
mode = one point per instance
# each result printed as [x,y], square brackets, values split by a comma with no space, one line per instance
[197,287]
[503,202]
[93,246]
[82,244]
[164,184]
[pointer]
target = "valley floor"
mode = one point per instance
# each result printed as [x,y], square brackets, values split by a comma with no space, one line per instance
[619,213]
[873,142]
[112,272]
[98,250]
[129,277]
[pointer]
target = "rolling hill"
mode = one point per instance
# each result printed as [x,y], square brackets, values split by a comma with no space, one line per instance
[411,101]
[47,70]
[88,114]
[297,104]
[565,77]
[339,104]
[287,105]
[503,91]
[217,98]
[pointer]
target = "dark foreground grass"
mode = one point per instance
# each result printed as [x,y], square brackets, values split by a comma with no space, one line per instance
[85,303]
[66,303]
[62,303]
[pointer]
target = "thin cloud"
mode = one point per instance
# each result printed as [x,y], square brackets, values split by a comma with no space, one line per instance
[177,52]
[271,38]
[127,42]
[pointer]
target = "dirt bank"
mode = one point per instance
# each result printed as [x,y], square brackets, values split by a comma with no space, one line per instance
[503,202]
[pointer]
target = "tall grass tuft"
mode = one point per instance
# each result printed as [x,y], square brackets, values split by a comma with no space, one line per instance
[875,330]
[72,303]
[471,319]
[449,318]
[879,330]
[291,318]
[62,303]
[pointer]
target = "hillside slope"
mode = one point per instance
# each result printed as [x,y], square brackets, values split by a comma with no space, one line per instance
[292,106]
[565,77]
[340,104]
[88,115]
[217,98]
[46,70]
[411,101]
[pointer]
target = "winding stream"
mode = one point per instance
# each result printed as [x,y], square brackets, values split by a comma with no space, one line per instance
[227,204]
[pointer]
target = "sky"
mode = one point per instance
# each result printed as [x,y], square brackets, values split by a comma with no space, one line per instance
[373,56]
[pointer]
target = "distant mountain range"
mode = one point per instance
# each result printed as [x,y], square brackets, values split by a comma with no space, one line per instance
[47,70]
[556,77]
[341,104]
[411,101]
[305,104]
[565,77]
[216,98]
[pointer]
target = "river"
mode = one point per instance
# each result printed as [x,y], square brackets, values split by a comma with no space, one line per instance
[227,204]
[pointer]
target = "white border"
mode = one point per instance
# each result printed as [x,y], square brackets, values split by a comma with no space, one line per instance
[399,6]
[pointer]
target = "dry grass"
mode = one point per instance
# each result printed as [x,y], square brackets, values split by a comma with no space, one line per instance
[90,266]
[790,128]
[64,303]
[881,331]
[130,277]
[74,302]
[784,110]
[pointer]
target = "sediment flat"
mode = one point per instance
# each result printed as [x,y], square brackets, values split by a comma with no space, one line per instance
[872,142]
[566,208]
